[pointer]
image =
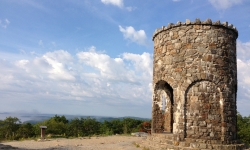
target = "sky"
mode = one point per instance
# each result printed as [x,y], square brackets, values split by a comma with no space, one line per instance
[94,57]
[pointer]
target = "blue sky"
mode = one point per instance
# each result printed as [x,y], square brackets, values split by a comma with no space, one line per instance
[94,57]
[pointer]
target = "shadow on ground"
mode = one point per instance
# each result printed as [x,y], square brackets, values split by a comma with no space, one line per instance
[2,146]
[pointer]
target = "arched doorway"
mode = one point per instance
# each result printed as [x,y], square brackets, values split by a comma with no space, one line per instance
[163,108]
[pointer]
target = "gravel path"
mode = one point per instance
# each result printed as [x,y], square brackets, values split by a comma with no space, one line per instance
[115,142]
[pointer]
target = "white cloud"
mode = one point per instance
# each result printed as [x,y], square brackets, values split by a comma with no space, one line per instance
[142,63]
[40,43]
[22,51]
[131,34]
[130,8]
[53,65]
[243,63]
[4,23]
[176,0]
[243,68]
[244,72]
[59,55]
[243,50]
[91,76]
[58,61]
[224,4]
[53,43]
[243,86]
[110,68]
[7,21]
[118,3]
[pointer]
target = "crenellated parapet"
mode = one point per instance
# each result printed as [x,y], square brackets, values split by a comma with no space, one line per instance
[196,22]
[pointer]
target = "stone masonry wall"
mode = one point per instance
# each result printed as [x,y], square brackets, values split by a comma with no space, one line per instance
[203,112]
[195,65]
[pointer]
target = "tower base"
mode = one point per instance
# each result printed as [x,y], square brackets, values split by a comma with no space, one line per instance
[164,141]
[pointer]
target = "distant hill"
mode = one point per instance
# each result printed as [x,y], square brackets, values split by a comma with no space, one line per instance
[70,117]
[34,118]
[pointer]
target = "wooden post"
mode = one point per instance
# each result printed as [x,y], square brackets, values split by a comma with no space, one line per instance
[43,131]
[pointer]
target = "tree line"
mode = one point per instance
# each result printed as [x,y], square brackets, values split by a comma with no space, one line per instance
[58,126]
[13,129]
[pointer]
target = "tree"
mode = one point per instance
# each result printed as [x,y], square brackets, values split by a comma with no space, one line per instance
[56,125]
[243,128]
[9,127]
[106,128]
[25,131]
[90,126]
[117,126]
[60,119]
[130,125]
[75,127]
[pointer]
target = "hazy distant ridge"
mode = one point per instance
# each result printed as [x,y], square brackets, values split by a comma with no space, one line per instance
[34,118]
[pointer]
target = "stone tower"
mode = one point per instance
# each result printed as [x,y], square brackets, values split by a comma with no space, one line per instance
[195,84]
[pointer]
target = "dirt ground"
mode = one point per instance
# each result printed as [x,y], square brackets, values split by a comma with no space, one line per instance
[115,142]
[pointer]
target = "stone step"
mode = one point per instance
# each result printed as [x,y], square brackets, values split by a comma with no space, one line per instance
[157,143]
[163,135]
